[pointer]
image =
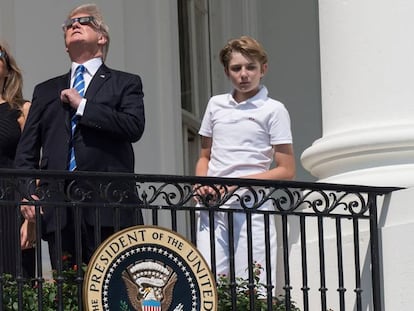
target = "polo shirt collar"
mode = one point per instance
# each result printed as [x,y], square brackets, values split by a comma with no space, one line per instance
[256,100]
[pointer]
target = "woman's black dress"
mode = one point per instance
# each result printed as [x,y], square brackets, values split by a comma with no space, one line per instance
[9,138]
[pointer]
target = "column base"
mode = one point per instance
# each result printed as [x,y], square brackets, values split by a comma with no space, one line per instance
[372,156]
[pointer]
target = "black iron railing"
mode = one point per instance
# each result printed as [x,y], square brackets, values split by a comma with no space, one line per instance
[309,216]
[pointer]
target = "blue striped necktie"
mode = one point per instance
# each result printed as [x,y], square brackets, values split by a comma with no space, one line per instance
[79,85]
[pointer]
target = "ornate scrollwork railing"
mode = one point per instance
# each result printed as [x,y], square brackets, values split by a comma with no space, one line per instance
[180,192]
[183,194]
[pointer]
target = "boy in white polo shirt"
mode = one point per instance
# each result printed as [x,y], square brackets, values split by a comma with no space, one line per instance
[242,133]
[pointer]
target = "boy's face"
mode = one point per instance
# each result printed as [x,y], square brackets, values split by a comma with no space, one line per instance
[245,74]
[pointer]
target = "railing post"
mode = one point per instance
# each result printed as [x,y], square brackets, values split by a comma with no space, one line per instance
[376,277]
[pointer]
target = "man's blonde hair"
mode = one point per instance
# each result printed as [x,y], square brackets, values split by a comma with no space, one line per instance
[92,9]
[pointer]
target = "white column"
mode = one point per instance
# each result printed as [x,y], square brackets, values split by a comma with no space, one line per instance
[367,67]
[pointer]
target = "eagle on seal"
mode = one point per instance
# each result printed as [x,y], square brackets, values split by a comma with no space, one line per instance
[143,278]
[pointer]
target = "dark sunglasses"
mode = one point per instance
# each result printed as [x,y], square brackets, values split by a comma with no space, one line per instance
[84,20]
[4,55]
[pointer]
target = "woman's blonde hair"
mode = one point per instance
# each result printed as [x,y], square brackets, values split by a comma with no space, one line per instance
[13,85]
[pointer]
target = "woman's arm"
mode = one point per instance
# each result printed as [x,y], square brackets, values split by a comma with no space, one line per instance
[23,116]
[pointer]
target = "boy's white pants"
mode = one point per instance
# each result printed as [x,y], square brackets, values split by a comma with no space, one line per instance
[221,233]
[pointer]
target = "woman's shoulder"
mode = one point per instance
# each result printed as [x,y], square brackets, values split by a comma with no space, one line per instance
[25,107]
[24,111]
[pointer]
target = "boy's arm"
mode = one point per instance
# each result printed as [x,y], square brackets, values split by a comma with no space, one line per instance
[285,165]
[202,163]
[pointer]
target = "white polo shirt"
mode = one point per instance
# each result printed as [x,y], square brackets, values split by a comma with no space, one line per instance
[244,133]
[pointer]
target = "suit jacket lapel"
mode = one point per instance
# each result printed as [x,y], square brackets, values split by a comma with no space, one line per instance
[64,83]
[97,81]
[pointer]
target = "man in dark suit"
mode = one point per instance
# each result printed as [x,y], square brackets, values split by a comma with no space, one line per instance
[84,121]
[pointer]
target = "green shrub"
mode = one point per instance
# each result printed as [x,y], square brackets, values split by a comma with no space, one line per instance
[49,292]
[70,293]
[243,294]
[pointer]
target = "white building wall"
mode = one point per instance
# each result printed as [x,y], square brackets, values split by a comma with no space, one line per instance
[151,48]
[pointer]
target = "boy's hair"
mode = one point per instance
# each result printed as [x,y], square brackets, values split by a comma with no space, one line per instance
[245,45]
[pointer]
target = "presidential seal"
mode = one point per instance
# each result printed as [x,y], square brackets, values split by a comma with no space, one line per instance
[148,268]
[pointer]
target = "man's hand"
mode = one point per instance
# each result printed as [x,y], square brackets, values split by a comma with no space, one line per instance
[29,211]
[27,234]
[71,97]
